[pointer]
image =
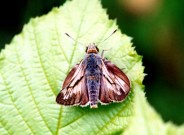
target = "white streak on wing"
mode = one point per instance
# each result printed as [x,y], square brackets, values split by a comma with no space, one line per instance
[122,84]
[77,75]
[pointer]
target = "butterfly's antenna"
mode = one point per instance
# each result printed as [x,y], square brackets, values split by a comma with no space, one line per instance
[108,36]
[73,39]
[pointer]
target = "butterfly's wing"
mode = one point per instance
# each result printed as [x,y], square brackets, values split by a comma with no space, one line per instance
[115,85]
[74,90]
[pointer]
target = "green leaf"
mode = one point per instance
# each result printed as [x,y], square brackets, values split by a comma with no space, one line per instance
[34,65]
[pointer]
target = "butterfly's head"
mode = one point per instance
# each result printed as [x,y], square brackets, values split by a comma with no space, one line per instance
[92,48]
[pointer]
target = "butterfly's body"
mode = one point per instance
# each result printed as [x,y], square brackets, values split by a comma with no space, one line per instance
[93,76]
[94,79]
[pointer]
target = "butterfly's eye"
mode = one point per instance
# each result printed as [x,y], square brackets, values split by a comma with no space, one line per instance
[86,49]
[97,49]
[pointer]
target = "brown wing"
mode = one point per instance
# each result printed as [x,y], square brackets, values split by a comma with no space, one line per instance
[115,85]
[74,90]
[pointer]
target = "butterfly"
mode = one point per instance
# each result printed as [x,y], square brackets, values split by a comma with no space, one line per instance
[94,80]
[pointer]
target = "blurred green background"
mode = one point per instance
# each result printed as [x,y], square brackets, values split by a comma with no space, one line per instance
[157,28]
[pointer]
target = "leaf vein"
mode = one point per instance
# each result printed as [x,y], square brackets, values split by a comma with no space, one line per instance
[111,119]
[31,93]
[59,120]
[41,61]
[5,127]
[59,43]
[15,106]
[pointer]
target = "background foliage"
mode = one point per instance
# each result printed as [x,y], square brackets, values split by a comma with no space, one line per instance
[157,29]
